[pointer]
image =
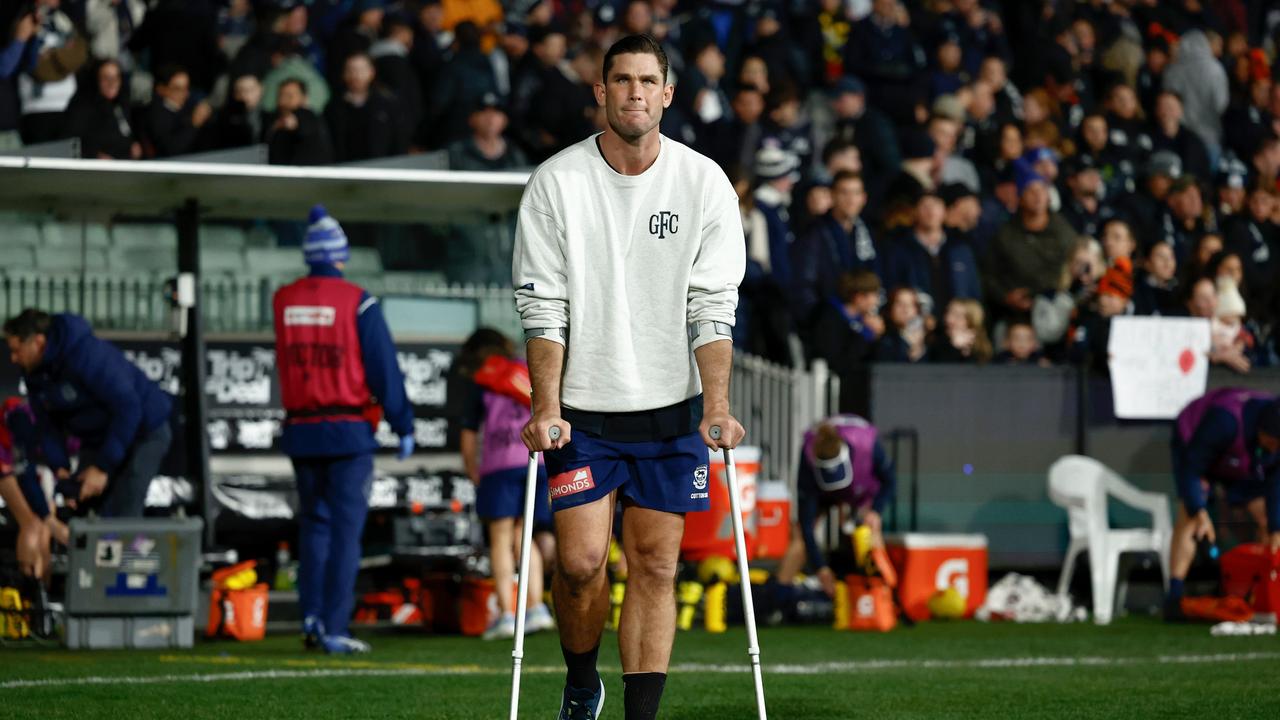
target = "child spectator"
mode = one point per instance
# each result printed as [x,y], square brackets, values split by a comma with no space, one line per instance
[964,335]
[904,335]
[1156,285]
[1021,346]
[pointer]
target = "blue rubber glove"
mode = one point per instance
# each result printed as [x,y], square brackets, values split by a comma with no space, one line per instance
[406,447]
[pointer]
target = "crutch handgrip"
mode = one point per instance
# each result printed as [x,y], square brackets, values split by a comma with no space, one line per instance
[715,432]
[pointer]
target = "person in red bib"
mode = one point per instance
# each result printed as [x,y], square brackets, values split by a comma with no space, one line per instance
[338,375]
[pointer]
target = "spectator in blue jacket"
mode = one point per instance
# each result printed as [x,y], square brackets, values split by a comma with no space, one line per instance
[80,385]
[839,242]
[925,259]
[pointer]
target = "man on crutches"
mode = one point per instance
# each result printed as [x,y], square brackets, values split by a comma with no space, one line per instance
[629,251]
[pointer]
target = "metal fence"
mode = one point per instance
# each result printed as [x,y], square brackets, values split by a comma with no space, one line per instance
[775,403]
[230,304]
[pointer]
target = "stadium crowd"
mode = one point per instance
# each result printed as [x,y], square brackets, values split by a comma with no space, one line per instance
[928,181]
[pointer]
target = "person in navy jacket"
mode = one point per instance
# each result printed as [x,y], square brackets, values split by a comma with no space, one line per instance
[338,374]
[1229,437]
[84,387]
[928,261]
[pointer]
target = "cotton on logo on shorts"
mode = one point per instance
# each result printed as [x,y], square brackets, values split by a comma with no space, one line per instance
[571,483]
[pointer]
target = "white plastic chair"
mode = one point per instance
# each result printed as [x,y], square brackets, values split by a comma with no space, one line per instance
[1081,485]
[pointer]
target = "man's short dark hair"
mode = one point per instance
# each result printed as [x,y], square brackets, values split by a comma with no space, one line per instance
[167,72]
[858,282]
[845,175]
[27,324]
[834,148]
[637,45]
[302,84]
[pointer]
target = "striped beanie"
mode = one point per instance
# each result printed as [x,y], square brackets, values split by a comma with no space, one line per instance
[325,242]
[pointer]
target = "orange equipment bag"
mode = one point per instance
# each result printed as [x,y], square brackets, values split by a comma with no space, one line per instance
[1217,609]
[507,377]
[1252,571]
[870,604]
[238,604]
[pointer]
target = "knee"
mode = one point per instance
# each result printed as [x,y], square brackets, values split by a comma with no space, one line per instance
[581,568]
[651,566]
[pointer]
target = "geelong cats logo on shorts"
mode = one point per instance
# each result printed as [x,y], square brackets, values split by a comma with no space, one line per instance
[700,478]
[664,222]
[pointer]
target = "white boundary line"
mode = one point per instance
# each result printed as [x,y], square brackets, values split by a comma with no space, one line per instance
[832,668]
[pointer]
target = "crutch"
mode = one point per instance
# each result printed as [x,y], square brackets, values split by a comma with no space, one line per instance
[744,576]
[522,601]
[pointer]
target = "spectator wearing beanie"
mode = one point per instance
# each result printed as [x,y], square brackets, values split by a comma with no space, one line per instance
[1029,251]
[777,176]
[1143,205]
[1184,218]
[1082,199]
[487,149]
[1093,328]
[1231,339]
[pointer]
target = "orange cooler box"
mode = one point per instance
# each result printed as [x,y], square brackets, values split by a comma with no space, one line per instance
[929,563]
[711,533]
[773,519]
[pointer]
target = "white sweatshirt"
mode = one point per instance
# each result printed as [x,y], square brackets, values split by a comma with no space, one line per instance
[624,263]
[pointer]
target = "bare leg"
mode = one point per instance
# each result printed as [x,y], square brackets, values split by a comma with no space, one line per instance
[651,542]
[535,562]
[546,542]
[501,562]
[792,559]
[1183,548]
[580,586]
[1257,508]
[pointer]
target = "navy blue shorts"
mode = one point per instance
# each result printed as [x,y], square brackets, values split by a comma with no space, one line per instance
[501,495]
[668,475]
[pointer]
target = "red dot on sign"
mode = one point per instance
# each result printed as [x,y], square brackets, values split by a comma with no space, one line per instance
[1186,361]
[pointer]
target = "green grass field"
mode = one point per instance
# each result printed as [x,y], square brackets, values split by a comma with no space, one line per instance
[1135,668]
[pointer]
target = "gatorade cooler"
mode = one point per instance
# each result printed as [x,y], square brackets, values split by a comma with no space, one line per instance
[711,533]
[773,520]
[929,563]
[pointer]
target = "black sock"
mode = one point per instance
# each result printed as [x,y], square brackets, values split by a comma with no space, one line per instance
[641,694]
[581,668]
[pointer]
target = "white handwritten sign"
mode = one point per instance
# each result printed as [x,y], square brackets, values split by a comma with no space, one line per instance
[1158,365]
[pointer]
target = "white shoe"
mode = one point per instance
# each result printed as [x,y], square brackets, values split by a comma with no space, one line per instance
[538,618]
[344,645]
[504,626]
